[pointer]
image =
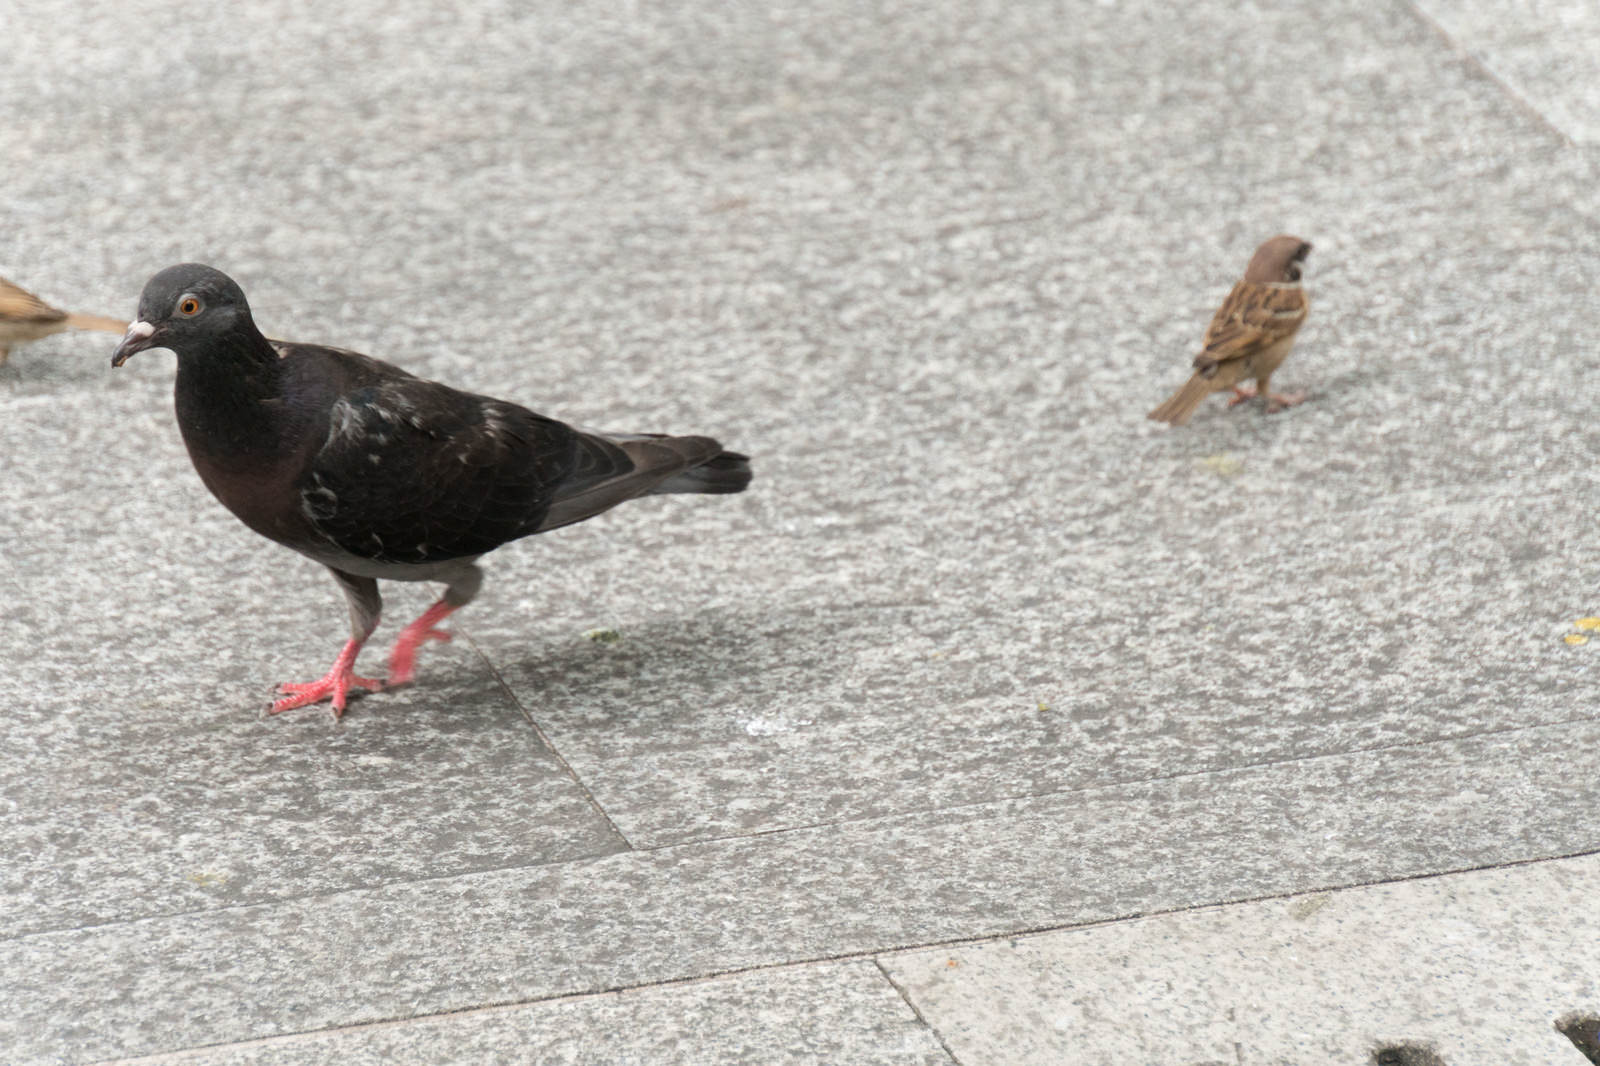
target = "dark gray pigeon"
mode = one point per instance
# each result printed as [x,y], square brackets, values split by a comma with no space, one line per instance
[378,474]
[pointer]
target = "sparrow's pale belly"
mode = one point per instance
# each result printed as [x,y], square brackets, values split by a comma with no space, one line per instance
[1271,358]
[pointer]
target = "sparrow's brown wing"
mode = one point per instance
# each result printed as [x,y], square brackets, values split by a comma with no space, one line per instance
[19,305]
[1253,317]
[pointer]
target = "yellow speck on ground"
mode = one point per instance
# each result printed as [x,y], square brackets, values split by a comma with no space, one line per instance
[1043,706]
[1223,465]
[1301,909]
[206,880]
[1576,638]
[1588,623]
[603,636]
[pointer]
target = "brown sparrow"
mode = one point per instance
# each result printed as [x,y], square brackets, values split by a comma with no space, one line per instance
[24,317]
[1250,334]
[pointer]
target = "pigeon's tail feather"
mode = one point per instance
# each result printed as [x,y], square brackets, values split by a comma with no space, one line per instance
[708,469]
[99,322]
[723,472]
[1181,404]
[645,464]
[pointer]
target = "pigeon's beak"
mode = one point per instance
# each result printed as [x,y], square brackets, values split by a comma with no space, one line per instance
[140,336]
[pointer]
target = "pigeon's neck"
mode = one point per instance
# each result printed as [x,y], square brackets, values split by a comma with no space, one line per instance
[230,398]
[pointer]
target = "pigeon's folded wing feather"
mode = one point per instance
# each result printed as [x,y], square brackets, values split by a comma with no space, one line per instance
[415,472]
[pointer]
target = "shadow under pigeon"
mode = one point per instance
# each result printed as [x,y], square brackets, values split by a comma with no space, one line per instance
[640,674]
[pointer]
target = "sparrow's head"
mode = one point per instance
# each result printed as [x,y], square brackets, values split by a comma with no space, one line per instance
[1278,261]
[183,306]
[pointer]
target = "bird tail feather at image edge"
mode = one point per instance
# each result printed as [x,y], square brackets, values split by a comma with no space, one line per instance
[1181,404]
[99,322]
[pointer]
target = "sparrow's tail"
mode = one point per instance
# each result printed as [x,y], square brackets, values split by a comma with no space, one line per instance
[1181,404]
[99,322]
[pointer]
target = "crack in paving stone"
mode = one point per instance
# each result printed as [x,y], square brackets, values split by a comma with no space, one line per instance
[1584,1032]
[1407,1054]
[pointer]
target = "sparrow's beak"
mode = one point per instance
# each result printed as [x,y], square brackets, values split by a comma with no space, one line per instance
[140,336]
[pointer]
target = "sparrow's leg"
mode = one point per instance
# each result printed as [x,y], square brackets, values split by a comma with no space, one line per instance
[1280,401]
[365,604]
[1241,393]
[462,587]
[1276,401]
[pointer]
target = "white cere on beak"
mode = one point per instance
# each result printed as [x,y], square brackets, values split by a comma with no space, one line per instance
[138,329]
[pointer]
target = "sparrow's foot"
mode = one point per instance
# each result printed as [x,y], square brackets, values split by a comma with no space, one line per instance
[1241,393]
[1282,401]
[403,659]
[334,685]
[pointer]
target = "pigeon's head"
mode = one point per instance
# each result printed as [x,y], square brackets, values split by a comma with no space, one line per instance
[182,307]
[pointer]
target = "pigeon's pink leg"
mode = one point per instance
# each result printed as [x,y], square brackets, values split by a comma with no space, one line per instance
[335,684]
[403,659]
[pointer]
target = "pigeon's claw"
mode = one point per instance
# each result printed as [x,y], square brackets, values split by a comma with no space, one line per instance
[334,685]
[403,659]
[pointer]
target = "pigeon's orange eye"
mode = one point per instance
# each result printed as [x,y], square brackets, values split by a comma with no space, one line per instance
[188,306]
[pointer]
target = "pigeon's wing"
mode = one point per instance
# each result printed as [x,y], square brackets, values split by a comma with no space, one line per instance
[1253,317]
[20,305]
[415,472]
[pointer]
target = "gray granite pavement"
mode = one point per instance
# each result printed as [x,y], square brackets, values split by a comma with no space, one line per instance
[981,653]
[1315,978]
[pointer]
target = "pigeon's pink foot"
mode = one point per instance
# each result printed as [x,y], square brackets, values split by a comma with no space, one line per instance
[334,685]
[1278,401]
[403,659]
[1241,393]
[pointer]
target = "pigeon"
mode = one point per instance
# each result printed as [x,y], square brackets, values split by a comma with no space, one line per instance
[378,474]
[24,317]
[1250,335]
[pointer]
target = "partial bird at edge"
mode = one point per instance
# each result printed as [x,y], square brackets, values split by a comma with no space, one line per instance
[25,318]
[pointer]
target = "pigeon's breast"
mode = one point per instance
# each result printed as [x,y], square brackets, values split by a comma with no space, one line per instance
[264,496]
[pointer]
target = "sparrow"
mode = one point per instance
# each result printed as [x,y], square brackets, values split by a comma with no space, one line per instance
[377,474]
[1250,334]
[24,317]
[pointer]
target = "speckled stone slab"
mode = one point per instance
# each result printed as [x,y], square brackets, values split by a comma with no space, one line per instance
[163,984]
[1134,655]
[139,774]
[1474,967]
[1547,52]
[827,1013]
